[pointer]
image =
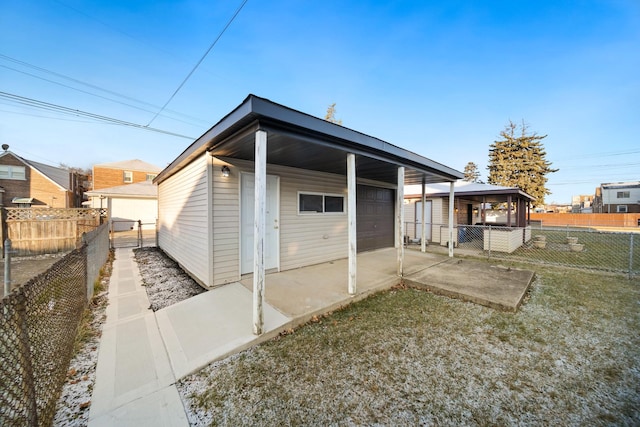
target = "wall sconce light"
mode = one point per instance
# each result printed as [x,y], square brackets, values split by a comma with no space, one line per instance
[225,171]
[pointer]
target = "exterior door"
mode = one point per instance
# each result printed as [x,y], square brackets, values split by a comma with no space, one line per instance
[375,212]
[272,226]
[427,219]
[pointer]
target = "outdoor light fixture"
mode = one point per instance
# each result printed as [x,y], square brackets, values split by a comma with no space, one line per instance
[225,171]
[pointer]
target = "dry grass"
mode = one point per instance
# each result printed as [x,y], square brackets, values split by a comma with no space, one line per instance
[570,356]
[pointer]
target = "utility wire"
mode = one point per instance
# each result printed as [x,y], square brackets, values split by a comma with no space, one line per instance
[30,102]
[92,86]
[92,94]
[199,62]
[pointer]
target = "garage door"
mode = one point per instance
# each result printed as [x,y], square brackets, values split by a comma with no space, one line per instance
[375,211]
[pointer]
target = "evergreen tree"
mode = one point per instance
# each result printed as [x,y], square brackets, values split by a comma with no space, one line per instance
[518,160]
[331,115]
[471,173]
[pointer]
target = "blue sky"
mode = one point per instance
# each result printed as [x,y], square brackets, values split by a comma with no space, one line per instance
[441,79]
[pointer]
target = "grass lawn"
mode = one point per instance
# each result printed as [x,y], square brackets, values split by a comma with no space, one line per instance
[570,356]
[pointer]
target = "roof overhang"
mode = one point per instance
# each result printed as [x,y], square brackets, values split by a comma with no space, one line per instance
[299,140]
[498,195]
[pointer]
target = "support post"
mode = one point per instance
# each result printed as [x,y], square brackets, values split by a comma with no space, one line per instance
[351,226]
[630,256]
[423,237]
[451,208]
[400,216]
[509,201]
[259,220]
[7,267]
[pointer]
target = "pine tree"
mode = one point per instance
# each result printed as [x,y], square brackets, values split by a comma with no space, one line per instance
[471,173]
[519,160]
[331,115]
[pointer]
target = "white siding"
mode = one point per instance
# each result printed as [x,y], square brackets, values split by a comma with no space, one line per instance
[144,210]
[183,223]
[304,239]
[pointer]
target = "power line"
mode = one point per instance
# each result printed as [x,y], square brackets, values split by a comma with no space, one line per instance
[199,62]
[92,86]
[34,103]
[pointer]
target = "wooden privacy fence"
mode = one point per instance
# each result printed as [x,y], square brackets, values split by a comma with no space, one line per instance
[35,231]
[588,219]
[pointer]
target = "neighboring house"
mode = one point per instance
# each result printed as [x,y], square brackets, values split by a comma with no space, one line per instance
[617,197]
[304,172]
[127,204]
[472,205]
[27,183]
[108,175]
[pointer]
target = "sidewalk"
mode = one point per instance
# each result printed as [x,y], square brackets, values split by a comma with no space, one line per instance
[134,380]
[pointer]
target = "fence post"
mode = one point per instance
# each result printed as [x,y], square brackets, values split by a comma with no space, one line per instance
[489,241]
[28,382]
[140,242]
[630,255]
[7,266]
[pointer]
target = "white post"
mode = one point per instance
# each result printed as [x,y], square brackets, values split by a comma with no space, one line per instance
[423,238]
[259,229]
[400,216]
[451,207]
[351,226]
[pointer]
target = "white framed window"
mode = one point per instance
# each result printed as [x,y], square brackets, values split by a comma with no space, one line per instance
[320,203]
[621,209]
[128,176]
[13,172]
[623,194]
[151,176]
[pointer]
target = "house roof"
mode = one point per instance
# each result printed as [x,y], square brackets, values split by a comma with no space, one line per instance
[140,190]
[59,176]
[300,140]
[131,165]
[612,185]
[467,190]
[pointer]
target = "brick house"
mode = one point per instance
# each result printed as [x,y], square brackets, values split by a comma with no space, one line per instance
[107,175]
[25,183]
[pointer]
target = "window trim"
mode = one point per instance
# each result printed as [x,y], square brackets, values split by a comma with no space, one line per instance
[626,209]
[151,176]
[623,194]
[11,174]
[124,177]
[314,193]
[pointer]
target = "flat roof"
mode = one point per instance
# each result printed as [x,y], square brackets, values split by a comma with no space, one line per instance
[300,140]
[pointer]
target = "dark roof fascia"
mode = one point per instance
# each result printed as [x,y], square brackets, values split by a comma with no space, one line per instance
[345,137]
[462,194]
[263,111]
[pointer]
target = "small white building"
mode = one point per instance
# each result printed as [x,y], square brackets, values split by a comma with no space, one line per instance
[127,204]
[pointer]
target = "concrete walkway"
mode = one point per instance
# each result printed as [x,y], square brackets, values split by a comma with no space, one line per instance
[134,381]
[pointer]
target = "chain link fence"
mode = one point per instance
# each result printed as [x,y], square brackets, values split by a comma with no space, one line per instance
[576,247]
[38,326]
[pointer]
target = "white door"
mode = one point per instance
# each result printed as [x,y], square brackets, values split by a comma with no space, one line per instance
[427,219]
[247,201]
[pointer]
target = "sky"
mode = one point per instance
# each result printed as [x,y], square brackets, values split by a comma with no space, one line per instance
[441,79]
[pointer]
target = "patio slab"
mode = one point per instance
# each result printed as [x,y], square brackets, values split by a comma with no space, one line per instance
[475,281]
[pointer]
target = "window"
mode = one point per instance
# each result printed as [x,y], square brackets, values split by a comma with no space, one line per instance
[12,172]
[621,209]
[320,203]
[622,195]
[151,176]
[128,176]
